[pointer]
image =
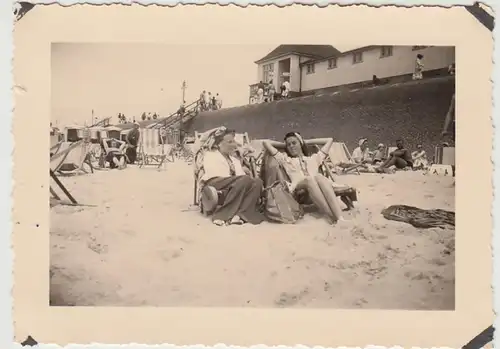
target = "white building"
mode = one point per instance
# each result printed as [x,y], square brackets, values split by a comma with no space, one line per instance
[314,67]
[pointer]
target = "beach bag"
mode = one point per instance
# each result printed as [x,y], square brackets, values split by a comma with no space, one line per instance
[280,205]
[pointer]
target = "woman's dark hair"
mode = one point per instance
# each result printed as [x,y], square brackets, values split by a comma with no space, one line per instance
[303,146]
[419,56]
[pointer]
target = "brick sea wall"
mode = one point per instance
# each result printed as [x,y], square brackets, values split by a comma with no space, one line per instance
[414,111]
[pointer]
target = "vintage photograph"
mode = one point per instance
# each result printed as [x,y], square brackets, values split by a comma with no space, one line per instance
[270,176]
[245,188]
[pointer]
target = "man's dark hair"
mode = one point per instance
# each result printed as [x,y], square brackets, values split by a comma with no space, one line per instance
[420,56]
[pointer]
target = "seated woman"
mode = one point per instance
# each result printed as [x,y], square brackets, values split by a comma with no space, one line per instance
[419,157]
[379,155]
[303,174]
[114,153]
[222,171]
[362,155]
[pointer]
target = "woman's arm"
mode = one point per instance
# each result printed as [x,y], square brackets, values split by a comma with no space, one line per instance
[327,144]
[270,146]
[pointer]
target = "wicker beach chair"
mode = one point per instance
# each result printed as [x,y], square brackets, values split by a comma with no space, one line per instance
[202,193]
[151,149]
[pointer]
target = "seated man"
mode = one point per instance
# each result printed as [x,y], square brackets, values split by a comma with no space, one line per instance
[224,172]
[400,158]
[114,153]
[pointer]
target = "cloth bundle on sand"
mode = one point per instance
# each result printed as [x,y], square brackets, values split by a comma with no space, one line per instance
[418,217]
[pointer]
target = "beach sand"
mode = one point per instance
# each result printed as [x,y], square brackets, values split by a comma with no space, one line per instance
[143,246]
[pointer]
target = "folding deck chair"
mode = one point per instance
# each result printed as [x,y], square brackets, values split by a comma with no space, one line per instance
[151,148]
[340,156]
[55,161]
[70,157]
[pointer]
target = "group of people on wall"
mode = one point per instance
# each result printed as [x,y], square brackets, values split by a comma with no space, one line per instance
[266,92]
[209,101]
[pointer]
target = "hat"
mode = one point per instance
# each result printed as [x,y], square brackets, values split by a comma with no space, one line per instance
[380,145]
[362,141]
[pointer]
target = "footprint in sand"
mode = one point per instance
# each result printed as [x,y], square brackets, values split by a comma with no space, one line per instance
[289,299]
[96,246]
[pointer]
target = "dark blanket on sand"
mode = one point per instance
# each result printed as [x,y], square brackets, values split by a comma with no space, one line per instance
[418,217]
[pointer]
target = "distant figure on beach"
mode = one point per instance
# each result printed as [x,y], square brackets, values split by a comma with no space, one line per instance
[285,89]
[419,157]
[272,91]
[202,100]
[114,150]
[419,67]
[214,103]
[379,155]
[208,101]
[132,142]
[401,158]
[182,109]
[302,170]
[451,69]
[361,155]
[219,101]
[224,172]
[260,92]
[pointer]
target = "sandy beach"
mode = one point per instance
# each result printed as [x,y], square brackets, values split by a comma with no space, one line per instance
[142,245]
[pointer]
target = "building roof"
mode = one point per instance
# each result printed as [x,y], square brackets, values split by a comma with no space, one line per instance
[313,51]
[358,49]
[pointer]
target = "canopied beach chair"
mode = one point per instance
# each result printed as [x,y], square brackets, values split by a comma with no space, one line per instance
[203,143]
[151,148]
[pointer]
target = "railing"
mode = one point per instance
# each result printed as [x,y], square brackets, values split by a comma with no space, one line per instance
[104,122]
[189,112]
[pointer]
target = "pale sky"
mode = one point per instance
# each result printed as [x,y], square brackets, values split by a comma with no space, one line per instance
[134,77]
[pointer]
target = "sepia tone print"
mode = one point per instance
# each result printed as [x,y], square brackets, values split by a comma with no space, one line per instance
[320,176]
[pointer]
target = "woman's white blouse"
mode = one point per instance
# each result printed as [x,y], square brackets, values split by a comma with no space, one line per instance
[294,169]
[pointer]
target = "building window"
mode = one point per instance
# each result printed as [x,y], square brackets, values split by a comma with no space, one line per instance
[310,68]
[416,48]
[357,57]
[385,51]
[332,63]
[268,72]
